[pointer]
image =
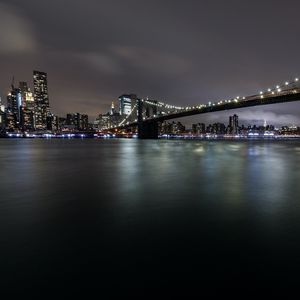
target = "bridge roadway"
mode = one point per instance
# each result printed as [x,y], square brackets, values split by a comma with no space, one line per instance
[147,128]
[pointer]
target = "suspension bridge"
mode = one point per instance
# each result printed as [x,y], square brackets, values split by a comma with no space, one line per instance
[147,114]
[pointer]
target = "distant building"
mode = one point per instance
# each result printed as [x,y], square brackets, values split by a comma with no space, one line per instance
[14,104]
[126,104]
[10,121]
[172,128]
[27,96]
[219,128]
[41,98]
[28,107]
[2,117]
[23,89]
[27,119]
[79,121]
[233,127]
[198,128]
[2,106]
[113,110]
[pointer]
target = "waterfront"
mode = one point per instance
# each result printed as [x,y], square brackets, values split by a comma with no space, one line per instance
[132,214]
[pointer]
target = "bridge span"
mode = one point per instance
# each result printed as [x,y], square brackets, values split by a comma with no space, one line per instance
[148,124]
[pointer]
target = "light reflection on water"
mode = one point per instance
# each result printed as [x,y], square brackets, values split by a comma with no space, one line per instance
[146,195]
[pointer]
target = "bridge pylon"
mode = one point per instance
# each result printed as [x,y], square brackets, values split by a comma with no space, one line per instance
[146,129]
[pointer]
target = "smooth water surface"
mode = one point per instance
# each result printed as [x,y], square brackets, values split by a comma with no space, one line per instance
[132,214]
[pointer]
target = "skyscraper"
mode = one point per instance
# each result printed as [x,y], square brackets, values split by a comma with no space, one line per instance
[2,116]
[27,96]
[42,109]
[126,104]
[234,124]
[23,89]
[14,106]
[28,107]
[113,110]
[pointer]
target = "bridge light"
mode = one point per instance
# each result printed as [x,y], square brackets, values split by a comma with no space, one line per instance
[244,98]
[277,86]
[286,83]
[261,93]
[273,93]
[297,79]
[279,90]
[262,97]
[269,90]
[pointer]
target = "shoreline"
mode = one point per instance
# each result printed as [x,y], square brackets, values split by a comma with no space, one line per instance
[134,136]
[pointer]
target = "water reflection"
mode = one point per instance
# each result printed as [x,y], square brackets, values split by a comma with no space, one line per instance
[128,203]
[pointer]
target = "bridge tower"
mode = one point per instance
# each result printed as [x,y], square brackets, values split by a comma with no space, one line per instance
[146,129]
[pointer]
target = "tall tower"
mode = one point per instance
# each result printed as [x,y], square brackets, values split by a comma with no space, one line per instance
[42,109]
[14,105]
[234,124]
[112,110]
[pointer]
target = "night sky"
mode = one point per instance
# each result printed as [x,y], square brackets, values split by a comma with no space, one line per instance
[180,52]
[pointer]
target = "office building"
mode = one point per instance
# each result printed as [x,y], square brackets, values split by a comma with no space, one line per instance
[233,127]
[41,98]
[126,104]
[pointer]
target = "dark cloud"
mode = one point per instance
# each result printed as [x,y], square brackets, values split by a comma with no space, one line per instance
[16,33]
[182,52]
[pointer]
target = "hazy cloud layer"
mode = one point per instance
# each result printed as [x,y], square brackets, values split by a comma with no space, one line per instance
[181,52]
[16,33]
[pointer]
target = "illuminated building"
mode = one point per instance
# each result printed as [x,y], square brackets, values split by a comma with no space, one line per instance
[79,121]
[2,117]
[2,107]
[14,104]
[113,110]
[27,119]
[53,123]
[41,99]
[28,107]
[126,104]
[27,96]
[10,122]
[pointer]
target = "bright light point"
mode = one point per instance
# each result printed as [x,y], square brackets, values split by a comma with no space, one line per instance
[279,90]
[273,93]
[261,93]
[297,79]
[269,90]
[261,97]
[277,86]
[286,83]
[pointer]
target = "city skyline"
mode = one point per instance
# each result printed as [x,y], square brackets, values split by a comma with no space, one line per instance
[260,116]
[193,59]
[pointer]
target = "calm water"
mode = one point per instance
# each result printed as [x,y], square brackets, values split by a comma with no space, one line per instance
[130,214]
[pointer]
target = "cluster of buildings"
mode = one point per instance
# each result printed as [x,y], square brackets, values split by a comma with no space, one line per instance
[127,112]
[28,111]
[114,117]
[233,129]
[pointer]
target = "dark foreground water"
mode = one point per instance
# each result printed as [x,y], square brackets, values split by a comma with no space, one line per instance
[128,215]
